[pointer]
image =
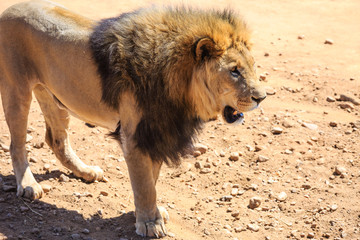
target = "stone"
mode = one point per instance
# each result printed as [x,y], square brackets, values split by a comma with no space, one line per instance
[281,196]
[28,138]
[310,235]
[234,156]
[262,77]
[310,126]
[301,37]
[200,147]
[270,91]
[4,147]
[205,170]
[340,170]
[333,124]
[333,207]
[329,41]
[33,160]
[330,99]
[198,165]
[64,178]
[254,202]
[276,130]
[262,158]
[346,105]
[46,188]
[345,98]
[288,124]
[104,193]
[253,227]
[46,167]
[196,153]
[234,191]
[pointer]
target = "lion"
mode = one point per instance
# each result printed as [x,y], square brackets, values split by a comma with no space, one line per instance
[151,76]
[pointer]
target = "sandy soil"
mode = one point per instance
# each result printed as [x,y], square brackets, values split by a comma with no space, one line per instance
[306,177]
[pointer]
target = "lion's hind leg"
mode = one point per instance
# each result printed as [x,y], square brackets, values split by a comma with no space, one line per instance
[57,124]
[16,103]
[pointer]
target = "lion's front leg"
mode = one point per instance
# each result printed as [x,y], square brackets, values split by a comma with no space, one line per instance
[150,219]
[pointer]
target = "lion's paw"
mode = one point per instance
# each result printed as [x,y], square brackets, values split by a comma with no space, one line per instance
[151,228]
[92,174]
[30,191]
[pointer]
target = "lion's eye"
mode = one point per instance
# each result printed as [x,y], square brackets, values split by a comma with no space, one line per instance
[235,73]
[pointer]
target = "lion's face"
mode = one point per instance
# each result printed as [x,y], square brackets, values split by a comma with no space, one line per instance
[225,81]
[238,86]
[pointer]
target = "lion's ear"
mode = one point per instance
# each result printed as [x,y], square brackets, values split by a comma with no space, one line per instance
[204,49]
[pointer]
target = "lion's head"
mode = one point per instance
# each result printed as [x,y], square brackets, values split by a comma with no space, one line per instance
[225,79]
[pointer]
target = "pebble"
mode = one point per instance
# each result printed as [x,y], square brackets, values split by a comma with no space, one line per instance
[329,41]
[86,231]
[234,156]
[288,124]
[346,106]
[4,147]
[104,193]
[270,91]
[222,154]
[196,153]
[46,188]
[64,178]
[333,207]
[28,138]
[310,235]
[253,227]
[301,37]
[333,124]
[340,170]
[75,236]
[281,197]
[348,99]
[205,170]
[276,130]
[262,77]
[234,191]
[198,165]
[46,167]
[254,202]
[200,147]
[33,160]
[262,158]
[310,126]
[330,99]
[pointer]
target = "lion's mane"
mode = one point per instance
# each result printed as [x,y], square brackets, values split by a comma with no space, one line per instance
[151,53]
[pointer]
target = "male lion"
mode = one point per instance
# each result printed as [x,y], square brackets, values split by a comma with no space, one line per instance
[152,77]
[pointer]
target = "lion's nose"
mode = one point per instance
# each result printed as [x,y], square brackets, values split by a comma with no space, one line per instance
[258,99]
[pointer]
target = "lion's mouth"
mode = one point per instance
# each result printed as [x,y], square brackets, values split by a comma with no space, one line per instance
[231,115]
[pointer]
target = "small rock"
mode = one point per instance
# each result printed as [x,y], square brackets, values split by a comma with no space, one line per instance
[253,227]
[75,236]
[306,186]
[333,124]
[270,91]
[200,147]
[28,138]
[310,126]
[330,99]
[288,124]
[64,178]
[33,160]
[340,170]
[254,202]
[24,209]
[104,193]
[222,154]
[39,145]
[198,165]
[196,153]
[235,214]
[333,207]
[262,77]
[301,37]
[329,41]
[239,229]
[226,198]
[46,188]
[86,231]
[4,147]
[348,99]
[262,158]
[276,130]
[234,191]
[234,156]
[315,99]
[205,170]
[346,105]
[46,167]
[281,197]
[310,235]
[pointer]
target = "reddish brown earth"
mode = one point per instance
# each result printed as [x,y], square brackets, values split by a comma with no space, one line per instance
[302,72]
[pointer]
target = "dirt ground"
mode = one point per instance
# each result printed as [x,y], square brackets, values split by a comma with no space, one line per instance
[299,154]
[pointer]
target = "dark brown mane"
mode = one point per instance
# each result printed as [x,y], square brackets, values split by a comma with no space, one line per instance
[150,53]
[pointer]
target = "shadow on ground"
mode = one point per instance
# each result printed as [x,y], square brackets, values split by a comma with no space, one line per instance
[40,220]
